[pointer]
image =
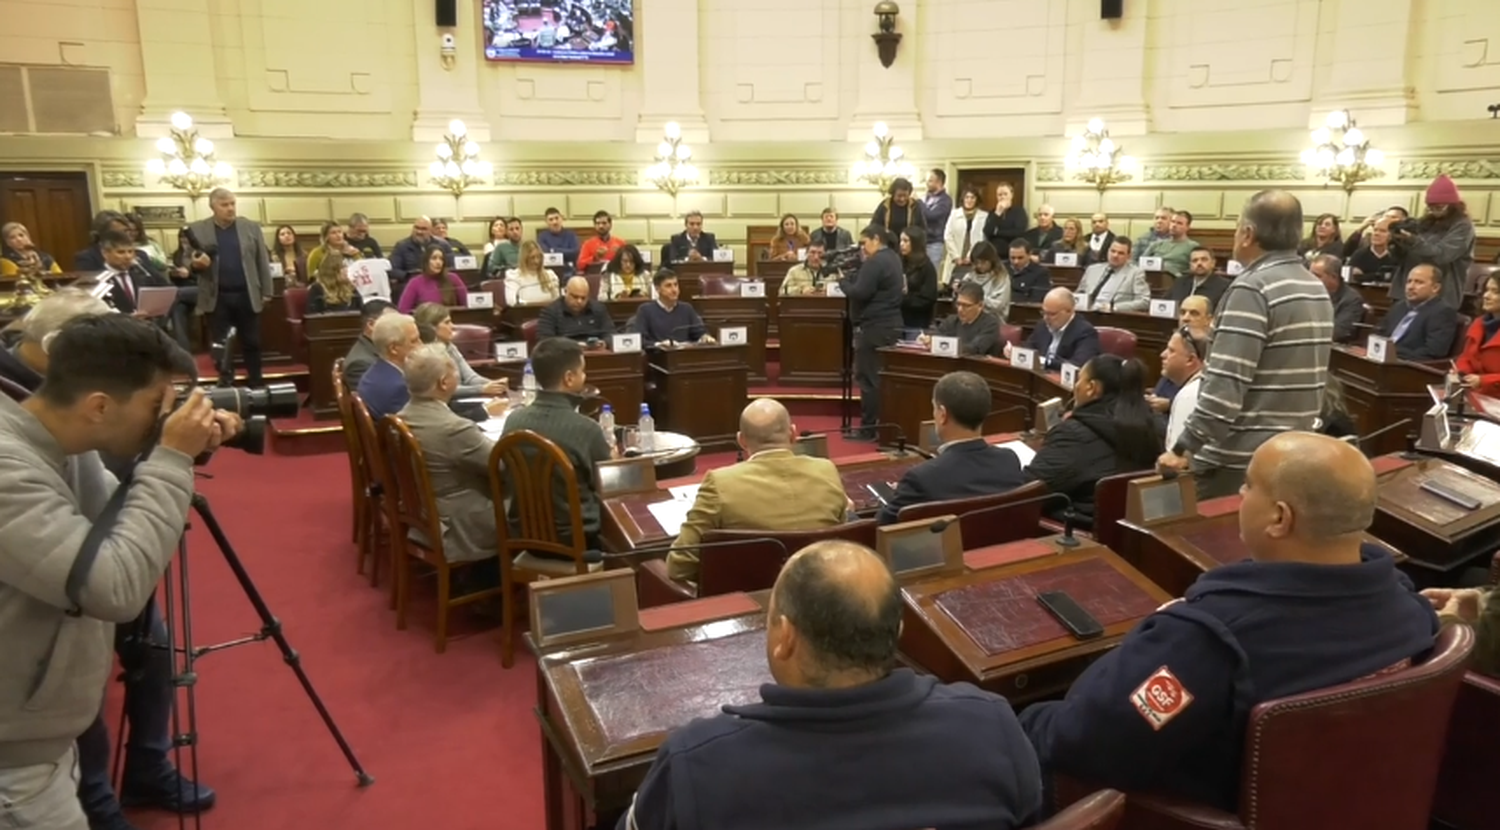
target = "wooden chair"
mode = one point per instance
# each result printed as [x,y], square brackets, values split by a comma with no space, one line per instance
[986,520]
[530,469]
[417,532]
[358,481]
[378,513]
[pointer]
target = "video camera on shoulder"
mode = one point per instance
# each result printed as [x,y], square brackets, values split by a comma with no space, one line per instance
[254,406]
[845,262]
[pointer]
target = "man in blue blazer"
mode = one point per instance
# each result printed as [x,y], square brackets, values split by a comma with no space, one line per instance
[965,465]
[1063,336]
[692,245]
[1422,326]
[383,387]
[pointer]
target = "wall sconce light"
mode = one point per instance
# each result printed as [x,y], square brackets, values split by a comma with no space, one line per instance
[458,166]
[1342,153]
[884,161]
[1095,158]
[672,171]
[887,39]
[186,161]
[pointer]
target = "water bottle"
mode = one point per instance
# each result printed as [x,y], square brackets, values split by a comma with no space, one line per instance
[528,385]
[607,424]
[646,429]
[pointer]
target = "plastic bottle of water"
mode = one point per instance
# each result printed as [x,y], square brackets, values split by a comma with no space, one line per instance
[528,385]
[646,429]
[607,424]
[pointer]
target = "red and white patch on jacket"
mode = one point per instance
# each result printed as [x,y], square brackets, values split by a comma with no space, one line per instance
[1161,698]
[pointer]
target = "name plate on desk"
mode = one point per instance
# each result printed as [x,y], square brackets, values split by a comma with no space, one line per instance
[480,299]
[1080,301]
[723,255]
[1066,260]
[277,270]
[833,289]
[945,346]
[1164,308]
[511,351]
[1346,273]
[754,288]
[1069,374]
[623,343]
[734,335]
[465,263]
[801,254]
[1150,263]
[645,256]
[597,606]
[1378,349]
[1023,358]
[1233,268]
[553,259]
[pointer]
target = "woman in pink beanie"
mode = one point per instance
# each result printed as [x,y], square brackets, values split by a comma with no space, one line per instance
[1444,238]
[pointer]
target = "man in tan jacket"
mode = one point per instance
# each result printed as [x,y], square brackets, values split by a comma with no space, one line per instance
[772,489]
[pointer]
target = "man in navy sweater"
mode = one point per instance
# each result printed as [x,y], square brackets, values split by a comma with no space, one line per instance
[842,738]
[667,322]
[1166,711]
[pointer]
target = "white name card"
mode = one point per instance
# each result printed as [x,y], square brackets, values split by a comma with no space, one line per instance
[645,256]
[553,259]
[1164,308]
[1023,358]
[1080,301]
[723,255]
[511,351]
[1069,260]
[734,335]
[801,254]
[1379,349]
[1069,374]
[1150,263]
[833,289]
[465,263]
[945,346]
[622,343]
[1233,268]
[1347,272]
[753,289]
[480,299]
[277,270]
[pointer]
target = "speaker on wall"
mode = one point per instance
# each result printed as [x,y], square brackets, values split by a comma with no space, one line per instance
[1111,9]
[447,12]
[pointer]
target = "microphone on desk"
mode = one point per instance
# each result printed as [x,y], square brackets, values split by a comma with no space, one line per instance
[1024,410]
[686,328]
[1361,440]
[1067,540]
[900,445]
[656,549]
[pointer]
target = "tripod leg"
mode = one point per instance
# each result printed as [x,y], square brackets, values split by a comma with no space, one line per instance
[271,627]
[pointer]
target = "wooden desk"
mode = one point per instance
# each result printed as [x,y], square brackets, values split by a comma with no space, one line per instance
[1151,333]
[986,627]
[1380,394]
[906,379]
[699,391]
[812,340]
[1377,295]
[750,312]
[619,377]
[1440,537]
[276,344]
[515,316]
[689,274]
[487,317]
[329,337]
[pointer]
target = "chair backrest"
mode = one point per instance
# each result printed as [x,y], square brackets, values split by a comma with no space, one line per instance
[350,428]
[1012,334]
[719,286]
[1478,274]
[1109,507]
[473,341]
[1457,348]
[496,289]
[296,303]
[1360,754]
[594,279]
[1118,342]
[533,471]
[1102,810]
[370,446]
[754,565]
[528,332]
[985,520]
[416,508]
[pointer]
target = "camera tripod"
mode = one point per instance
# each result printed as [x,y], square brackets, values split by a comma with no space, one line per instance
[176,602]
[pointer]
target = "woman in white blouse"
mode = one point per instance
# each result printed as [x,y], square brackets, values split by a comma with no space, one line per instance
[965,229]
[626,276]
[530,283]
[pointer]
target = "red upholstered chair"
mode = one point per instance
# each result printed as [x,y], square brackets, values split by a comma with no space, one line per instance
[1470,769]
[985,520]
[473,341]
[1118,342]
[594,281]
[1478,274]
[1464,321]
[1109,507]
[528,333]
[496,289]
[714,285]
[1011,334]
[296,312]
[1364,754]
[1100,811]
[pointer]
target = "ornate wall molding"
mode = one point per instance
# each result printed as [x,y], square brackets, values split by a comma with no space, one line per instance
[338,179]
[1476,169]
[1050,173]
[774,178]
[1223,172]
[566,178]
[123,178]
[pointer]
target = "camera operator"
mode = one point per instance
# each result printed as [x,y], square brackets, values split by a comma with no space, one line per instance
[78,553]
[874,294]
[1443,237]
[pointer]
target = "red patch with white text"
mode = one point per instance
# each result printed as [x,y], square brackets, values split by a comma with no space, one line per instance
[1161,698]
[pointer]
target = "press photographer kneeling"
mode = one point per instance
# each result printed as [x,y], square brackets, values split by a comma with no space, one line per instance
[106,385]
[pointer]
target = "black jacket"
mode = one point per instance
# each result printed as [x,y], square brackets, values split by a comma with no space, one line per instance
[897,219]
[1213,288]
[1430,335]
[678,249]
[1030,284]
[92,259]
[1000,229]
[557,322]
[1041,240]
[1081,450]
[875,291]
[921,291]
[1080,343]
[982,337]
[963,470]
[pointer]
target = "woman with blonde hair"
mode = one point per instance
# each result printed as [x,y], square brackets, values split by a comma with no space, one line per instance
[333,240]
[1074,241]
[439,319]
[18,254]
[529,282]
[331,289]
[789,239]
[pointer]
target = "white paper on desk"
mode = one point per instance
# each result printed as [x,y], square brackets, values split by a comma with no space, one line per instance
[670,514]
[685,492]
[1022,451]
[155,300]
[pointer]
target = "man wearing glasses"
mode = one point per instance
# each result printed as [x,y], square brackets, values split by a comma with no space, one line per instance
[1063,336]
[1182,363]
[977,328]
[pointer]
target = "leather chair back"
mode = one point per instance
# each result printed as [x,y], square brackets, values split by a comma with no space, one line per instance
[496,289]
[296,303]
[1118,342]
[1470,766]
[1011,334]
[986,520]
[718,285]
[754,565]
[1099,811]
[1464,321]
[528,332]
[1109,507]
[296,312]
[1478,274]
[473,341]
[594,281]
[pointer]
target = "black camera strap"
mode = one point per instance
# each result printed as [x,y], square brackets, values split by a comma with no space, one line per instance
[103,525]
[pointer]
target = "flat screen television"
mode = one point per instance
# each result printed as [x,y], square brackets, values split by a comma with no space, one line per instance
[559,31]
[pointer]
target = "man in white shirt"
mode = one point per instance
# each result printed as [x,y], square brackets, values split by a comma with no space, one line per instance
[1116,284]
[1182,363]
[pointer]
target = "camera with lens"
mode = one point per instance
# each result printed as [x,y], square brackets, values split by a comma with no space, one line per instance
[253,406]
[843,262]
[1408,225]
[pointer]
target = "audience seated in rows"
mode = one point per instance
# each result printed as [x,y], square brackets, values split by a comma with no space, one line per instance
[286,252]
[411,257]
[331,288]
[603,246]
[692,245]
[1063,336]
[1422,326]
[772,489]
[1324,239]
[576,315]
[440,234]
[357,232]
[334,241]
[1029,280]
[830,234]
[504,254]
[383,389]
[1177,249]
[790,242]
[556,239]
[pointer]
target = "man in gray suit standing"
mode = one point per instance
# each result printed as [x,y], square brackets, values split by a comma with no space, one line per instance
[234,276]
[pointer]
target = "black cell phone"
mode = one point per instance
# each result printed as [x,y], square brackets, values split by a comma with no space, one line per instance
[1070,614]
[882,490]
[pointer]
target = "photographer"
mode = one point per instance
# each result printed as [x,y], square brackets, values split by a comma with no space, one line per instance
[875,295]
[1444,237]
[64,580]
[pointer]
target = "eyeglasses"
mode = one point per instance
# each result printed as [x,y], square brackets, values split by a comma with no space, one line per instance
[964,304]
[1194,343]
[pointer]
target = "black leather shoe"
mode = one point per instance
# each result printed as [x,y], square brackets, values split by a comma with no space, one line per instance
[170,790]
[114,821]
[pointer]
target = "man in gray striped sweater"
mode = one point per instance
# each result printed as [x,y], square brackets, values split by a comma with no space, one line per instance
[1269,360]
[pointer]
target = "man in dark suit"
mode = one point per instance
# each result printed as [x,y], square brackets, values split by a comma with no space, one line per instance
[123,272]
[1200,279]
[965,464]
[383,388]
[1063,336]
[692,245]
[234,276]
[1421,326]
[1029,280]
[362,355]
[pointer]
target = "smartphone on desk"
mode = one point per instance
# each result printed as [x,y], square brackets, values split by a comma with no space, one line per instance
[1068,612]
[883,491]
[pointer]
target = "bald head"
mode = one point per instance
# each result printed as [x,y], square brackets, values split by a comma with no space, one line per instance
[765,424]
[837,607]
[1063,297]
[1309,492]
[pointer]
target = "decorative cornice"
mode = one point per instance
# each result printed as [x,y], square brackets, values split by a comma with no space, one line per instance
[1049,173]
[1223,172]
[338,179]
[1476,169]
[567,178]
[123,178]
[774,178]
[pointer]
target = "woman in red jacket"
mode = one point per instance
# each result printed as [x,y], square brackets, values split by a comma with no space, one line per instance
[1480,362]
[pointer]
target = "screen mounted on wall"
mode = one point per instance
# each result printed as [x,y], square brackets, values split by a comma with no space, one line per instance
[559,31]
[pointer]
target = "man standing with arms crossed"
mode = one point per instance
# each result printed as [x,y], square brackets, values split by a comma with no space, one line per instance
[234,277]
